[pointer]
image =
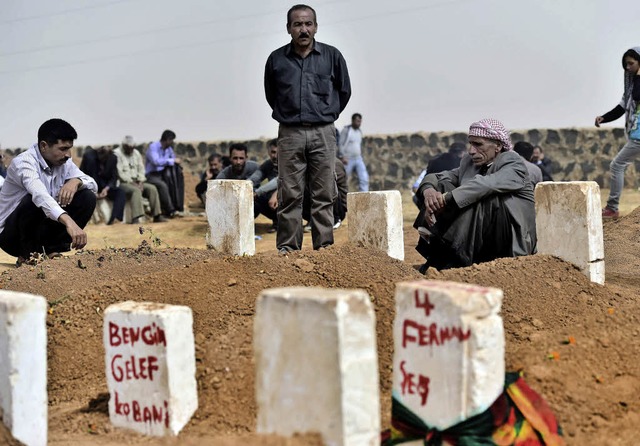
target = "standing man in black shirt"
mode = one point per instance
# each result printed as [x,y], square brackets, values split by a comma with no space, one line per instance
[307,86]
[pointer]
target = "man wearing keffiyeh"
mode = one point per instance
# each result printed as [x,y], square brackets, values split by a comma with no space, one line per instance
[480,211]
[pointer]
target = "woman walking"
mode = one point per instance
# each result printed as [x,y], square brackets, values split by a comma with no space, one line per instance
[628,106]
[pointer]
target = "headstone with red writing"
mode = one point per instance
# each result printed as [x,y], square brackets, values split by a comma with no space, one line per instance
[375,220]
[448,362]
[229,206]
[317,365]
[150,359]
[23,366]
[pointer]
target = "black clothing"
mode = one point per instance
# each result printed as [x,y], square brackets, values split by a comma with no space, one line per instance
[442,162]
[545,167]
[613,114]
[313,90]
[105,174]
[268,170]
[28,230]
[618,110]
[261,206]
[170,185]
[201,187]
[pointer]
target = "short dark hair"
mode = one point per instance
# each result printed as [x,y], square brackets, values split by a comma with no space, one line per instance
[55,130]
[632,54]
[457,148]
[297,8]
[167,134]
[524,149]
[214,156]
[272,143]
[356,115]
[237,146]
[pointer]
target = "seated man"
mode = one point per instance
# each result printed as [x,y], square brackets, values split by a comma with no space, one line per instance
[163,170]
[263,193]
[543,162]
[215,166]
[525,150]
[46,201]
[480,211]
[101,165]
[240,168]
[133,182]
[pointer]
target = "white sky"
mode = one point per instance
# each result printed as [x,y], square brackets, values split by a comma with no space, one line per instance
[116,67]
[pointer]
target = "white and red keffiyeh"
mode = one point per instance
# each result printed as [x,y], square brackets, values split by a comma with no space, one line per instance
[492,129]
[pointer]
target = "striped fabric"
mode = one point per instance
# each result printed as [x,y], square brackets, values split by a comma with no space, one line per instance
[519,417]
[492,129]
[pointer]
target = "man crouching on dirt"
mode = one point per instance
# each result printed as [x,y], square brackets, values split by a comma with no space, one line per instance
[46,200]
[480,211]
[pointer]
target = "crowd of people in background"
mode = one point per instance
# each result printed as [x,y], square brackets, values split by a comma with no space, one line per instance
[475,200]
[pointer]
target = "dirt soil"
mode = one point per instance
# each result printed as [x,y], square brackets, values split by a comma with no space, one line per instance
[592,384]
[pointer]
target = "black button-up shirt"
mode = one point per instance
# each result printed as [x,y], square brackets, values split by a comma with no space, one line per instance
[310,90]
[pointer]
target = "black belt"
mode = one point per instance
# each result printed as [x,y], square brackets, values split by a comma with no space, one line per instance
[307,124]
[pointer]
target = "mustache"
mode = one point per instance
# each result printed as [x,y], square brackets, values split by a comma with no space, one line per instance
[304,35]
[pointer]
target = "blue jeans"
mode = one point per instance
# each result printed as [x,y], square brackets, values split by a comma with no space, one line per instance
[361,171]
[619,164]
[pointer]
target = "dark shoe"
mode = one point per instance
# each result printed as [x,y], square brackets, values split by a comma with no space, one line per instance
[610,213]
[160,219]
[423,269]
[272,229]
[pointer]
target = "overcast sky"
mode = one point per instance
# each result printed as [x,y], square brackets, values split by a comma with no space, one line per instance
[117,67]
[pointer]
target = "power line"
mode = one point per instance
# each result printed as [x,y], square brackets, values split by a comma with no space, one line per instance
[148,32]
[66,11]
[223,40]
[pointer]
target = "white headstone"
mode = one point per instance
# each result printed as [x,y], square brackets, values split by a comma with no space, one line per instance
[448,362]
[23,366]
[150,359]
[375,220]
[229,206]
[569,225]
[317,365]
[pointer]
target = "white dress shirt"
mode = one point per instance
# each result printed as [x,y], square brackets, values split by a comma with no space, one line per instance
[30,174]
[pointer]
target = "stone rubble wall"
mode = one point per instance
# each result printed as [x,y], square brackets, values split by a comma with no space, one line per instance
[395,161]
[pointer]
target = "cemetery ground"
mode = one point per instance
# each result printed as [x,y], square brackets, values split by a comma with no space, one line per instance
[576,342]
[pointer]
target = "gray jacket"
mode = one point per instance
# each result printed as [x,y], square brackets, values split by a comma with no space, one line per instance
[507,175]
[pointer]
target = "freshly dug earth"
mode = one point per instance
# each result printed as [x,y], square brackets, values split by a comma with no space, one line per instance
[592,384]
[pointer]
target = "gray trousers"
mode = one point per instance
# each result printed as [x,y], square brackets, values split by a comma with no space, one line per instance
[306,158]
[628,153]
[134,195]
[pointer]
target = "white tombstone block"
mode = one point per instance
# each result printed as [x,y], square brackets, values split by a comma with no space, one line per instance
[229,206]
[569,224]
[317,365]
[448,362]
[23,366]
[151,367]
[375,219]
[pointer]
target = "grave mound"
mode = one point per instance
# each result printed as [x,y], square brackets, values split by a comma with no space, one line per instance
[575,341]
